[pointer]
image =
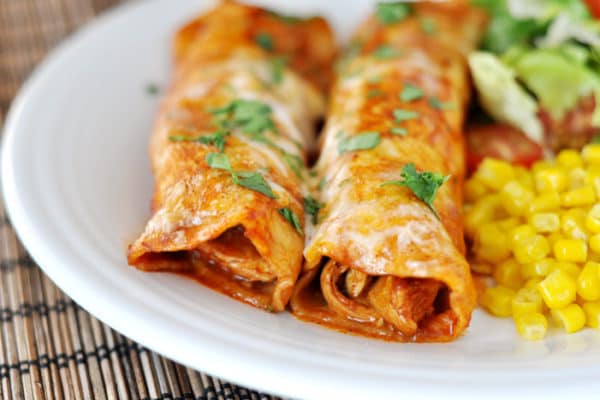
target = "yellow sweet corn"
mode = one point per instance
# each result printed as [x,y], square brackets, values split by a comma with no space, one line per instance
[520,232]
[592,314]
[588,282]
[531,326]
[531,248]
[516,198]
[571,317]
[592,219]
[545,222]
[553,237]
[558,289]
[498,301]
[491,244]
[485,210]
[568,267]
[583,196]
[508,224]
[570,250]
[551,179]
[524,177]
[474,190]
[572,223]
[548,201]
[508,274]
[569,159]
[595,243]
[526,301]
[591,153]
[577,178]
[494,173]
[537,268]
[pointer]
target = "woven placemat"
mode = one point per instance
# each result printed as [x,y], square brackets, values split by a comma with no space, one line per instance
[50,348]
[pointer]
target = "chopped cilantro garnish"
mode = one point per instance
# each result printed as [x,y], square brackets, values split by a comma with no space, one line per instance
[265,41]
[411,92]
[312,207]
[390,13]
[439,105]
[596,139]
[362,141]
[428,25]
[399,131]
[294,162]
[152,89]
[424,185]
[277,66]
[374,93]
[288,19]
[292,218]
[322,183]
[386,51]
[250,180]
[251,116]
[404,115]
[216,139]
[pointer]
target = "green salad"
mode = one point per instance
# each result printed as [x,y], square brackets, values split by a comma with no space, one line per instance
[537,55]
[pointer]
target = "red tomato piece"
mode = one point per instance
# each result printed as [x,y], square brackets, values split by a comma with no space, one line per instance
[500,141]
[594,6]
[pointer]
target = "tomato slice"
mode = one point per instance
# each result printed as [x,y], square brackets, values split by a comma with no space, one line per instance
[500,141]
[594,6]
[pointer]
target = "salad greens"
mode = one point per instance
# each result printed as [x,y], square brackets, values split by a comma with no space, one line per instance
[537,54]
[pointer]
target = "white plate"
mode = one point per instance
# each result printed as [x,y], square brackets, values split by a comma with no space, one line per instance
[77,184]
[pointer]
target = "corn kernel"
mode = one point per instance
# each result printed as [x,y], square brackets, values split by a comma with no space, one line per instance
[570,250]
[485,210]
[592,314]
[547,201]
[474,190]
[545,222]
[526,301]
[588,282]
[530,249]
[524,177]
[553,237]
[571,317]
[508,224]
[552,179]
[520,232]
[577,177]
[572,224]
[537,268]
[558,289]
[481,267]
[508,273]
[568,267]
[583,196]
[533,283]
[516,198]
[494,173]
[591,153]
[498,301]
[592,219]
[595,243]
[542,165]
[491,244]
[532,326]
[569,159]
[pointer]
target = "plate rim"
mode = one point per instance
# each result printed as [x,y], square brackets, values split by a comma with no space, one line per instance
[217,360]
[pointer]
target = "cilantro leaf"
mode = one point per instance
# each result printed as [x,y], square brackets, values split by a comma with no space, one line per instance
[362,141]
[312,207]
[218,161]
[292,218]
[216,139]
[428,25]
[440,105]
[288,19]
[294,162]
[277,66]
[595,139]
[253,181]
[374,93]
[404,115]
[411,92]
[385,51]
[251,116]
[265,41]
[424,185]
[322,183]
[152,89]
[399,131]
[390,13]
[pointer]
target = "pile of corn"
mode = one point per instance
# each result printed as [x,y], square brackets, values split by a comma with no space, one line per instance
[537,232]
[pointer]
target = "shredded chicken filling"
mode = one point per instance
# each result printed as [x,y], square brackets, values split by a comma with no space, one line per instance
[405,303]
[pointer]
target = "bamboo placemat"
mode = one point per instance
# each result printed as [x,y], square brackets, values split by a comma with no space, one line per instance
[50,348]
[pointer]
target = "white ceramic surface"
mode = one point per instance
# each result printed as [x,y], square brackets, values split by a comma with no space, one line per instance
[77,184]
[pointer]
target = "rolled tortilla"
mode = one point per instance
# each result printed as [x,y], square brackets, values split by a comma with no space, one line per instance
[248,76]
[380,263]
